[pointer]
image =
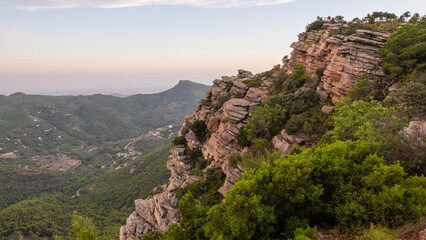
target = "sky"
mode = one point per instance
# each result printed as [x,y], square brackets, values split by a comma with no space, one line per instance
[60,47]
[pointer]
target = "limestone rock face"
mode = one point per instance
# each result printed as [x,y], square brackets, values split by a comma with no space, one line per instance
[229,102]
[236,110]
[160,210]
[223,123]
[343,58]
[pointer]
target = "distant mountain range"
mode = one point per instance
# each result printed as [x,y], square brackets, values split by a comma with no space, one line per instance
[97,117]
[40,135]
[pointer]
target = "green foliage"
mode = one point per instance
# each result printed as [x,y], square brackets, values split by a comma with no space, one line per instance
[317,25]
[83,228]
[415,18]
[306,233]
[242,137]
[100,199]
[200,130]
[312,122]
[257,80]
[295,103]
[363,89]
[294,223]
[343,183]
[233,159]
[205,189]
[294,124]
[405,50]
[179,141]
[44,217]
[119,188]
[319,72]
[363,120]
[299,77]
[376,233]
[229,86]
[265,122]
[411,96]
[277,84]
[192,216]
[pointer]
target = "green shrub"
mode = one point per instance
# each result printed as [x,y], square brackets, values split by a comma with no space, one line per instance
[257,80]
[363,120]
[83,228]
[242,137]
[294,124]
[307,233]
[200,130]
[205,189]
[320,72]
[199,166]
[277,84]
[229,86]
[234,159]
[411,95]
[179,141]
[404,51]
[296,80]
[295,103]
[317,25]
[363,89]
[341,184]
[264,122]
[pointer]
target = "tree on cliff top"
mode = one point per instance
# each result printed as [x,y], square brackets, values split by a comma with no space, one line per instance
[405,49]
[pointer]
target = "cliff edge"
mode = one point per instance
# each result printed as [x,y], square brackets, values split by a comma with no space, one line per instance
[334,63]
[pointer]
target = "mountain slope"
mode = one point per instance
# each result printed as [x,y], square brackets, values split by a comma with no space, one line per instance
[43,136]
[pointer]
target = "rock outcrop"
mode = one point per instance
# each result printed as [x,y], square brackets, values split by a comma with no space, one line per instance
[224,111]
[343,58]
[283,142]
[160,210]
[229,102]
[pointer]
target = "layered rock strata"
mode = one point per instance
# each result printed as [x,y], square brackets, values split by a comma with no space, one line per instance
[343,58]
[229,102]
[225,109]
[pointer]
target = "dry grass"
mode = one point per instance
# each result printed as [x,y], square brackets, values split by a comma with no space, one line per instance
[410,227]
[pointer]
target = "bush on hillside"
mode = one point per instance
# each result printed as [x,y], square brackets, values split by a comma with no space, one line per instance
[179,141]
[296,80]
[264,123]
[405,50]
[364,120]
[343,184]
[317,25]
[200,130]
[363,89]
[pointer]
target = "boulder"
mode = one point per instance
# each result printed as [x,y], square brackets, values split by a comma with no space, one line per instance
[236,110]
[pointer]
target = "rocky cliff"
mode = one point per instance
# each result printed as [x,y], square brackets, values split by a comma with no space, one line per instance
[343,58]
[228,104]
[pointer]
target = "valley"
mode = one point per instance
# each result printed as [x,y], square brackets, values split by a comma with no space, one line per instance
[90,153]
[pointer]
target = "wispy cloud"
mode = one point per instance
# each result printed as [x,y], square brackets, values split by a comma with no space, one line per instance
[45,4]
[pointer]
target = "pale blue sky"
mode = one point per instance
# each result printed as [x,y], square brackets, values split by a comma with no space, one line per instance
[80,46]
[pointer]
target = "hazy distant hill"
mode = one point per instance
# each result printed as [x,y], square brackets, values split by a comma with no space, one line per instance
[97,117]
[42,134]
